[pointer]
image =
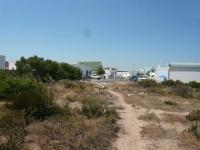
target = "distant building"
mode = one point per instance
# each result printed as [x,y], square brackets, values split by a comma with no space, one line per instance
[184,72]
[2,62]
[123,74]
[88,67]
[110,73]
[162,73]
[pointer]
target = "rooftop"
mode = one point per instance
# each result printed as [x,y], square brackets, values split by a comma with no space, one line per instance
[183,65]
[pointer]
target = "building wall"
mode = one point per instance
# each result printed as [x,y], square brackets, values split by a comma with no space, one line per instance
[162,74]
[110,73]
[122,74]
[2,62]
[184,76]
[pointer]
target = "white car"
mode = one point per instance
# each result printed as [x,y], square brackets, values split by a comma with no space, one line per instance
[141,78]
[95,76]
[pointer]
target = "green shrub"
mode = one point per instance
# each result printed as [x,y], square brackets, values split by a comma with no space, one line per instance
[148,83]
[172,83]
[194,84]
[94,107]
[11,86]
[36,104]
[183,91]
[47,70]
[73,84]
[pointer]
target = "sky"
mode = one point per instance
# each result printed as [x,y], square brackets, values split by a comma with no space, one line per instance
[125,34]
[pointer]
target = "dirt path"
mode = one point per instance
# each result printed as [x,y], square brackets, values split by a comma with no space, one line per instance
[129,137]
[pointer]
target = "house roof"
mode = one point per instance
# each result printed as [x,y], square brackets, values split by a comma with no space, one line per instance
[94,65]
[185,66]
[192,65]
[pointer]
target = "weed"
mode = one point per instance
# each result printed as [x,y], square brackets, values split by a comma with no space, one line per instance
[168,102]
[149,116]
[147,83]
[194,115]
[94,107]
[35,104]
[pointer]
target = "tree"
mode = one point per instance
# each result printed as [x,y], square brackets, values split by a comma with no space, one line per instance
[100,71]
[45,70]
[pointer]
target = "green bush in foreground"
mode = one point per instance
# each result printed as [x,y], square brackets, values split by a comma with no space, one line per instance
[38,105]
[12,86]
[12,126]
[95,107]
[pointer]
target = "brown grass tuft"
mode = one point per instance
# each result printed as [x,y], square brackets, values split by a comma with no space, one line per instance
[153,131]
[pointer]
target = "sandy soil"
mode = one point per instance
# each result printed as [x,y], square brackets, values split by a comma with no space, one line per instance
[129,137]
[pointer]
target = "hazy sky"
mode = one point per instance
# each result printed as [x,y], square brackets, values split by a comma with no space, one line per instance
[120,33]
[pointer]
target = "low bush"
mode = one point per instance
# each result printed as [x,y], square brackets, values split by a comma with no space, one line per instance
[95,107]
[38,105]
[172,83]
[12,86]
[168,102]
[183,91]
[12,126]
[149,116]
[73,84]
[194,129]
[194,84]
[147,83]
[194,115]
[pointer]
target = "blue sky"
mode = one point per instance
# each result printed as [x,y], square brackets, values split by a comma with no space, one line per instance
[120,33]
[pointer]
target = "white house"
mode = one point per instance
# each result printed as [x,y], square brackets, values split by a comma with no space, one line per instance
[184,72]
[110,73]
[123,74]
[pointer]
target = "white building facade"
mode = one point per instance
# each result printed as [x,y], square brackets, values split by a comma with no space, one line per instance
[162,73]
[110,73]
[123,74]
[184,72]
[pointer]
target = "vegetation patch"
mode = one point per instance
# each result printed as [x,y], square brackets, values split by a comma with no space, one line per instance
[168,102]
[149,116]
[193,115]
[153,131]
[147,83]
[173,118]
[188,141]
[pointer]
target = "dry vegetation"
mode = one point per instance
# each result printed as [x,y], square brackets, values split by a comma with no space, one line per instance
[149,116]
[166,108]
[86,120]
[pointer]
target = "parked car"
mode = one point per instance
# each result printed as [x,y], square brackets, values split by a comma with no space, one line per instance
[95,76]
[141,78]
[133,78]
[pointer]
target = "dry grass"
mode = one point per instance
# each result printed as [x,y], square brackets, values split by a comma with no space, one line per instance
[74,133]
[155,100]
[173,118]
[188,141]
[149,116]
[153,131]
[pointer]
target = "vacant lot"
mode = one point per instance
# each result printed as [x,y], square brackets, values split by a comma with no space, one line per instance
[162,117]
[83,118]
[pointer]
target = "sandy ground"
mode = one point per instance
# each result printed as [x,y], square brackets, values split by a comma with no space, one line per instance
[129,137]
